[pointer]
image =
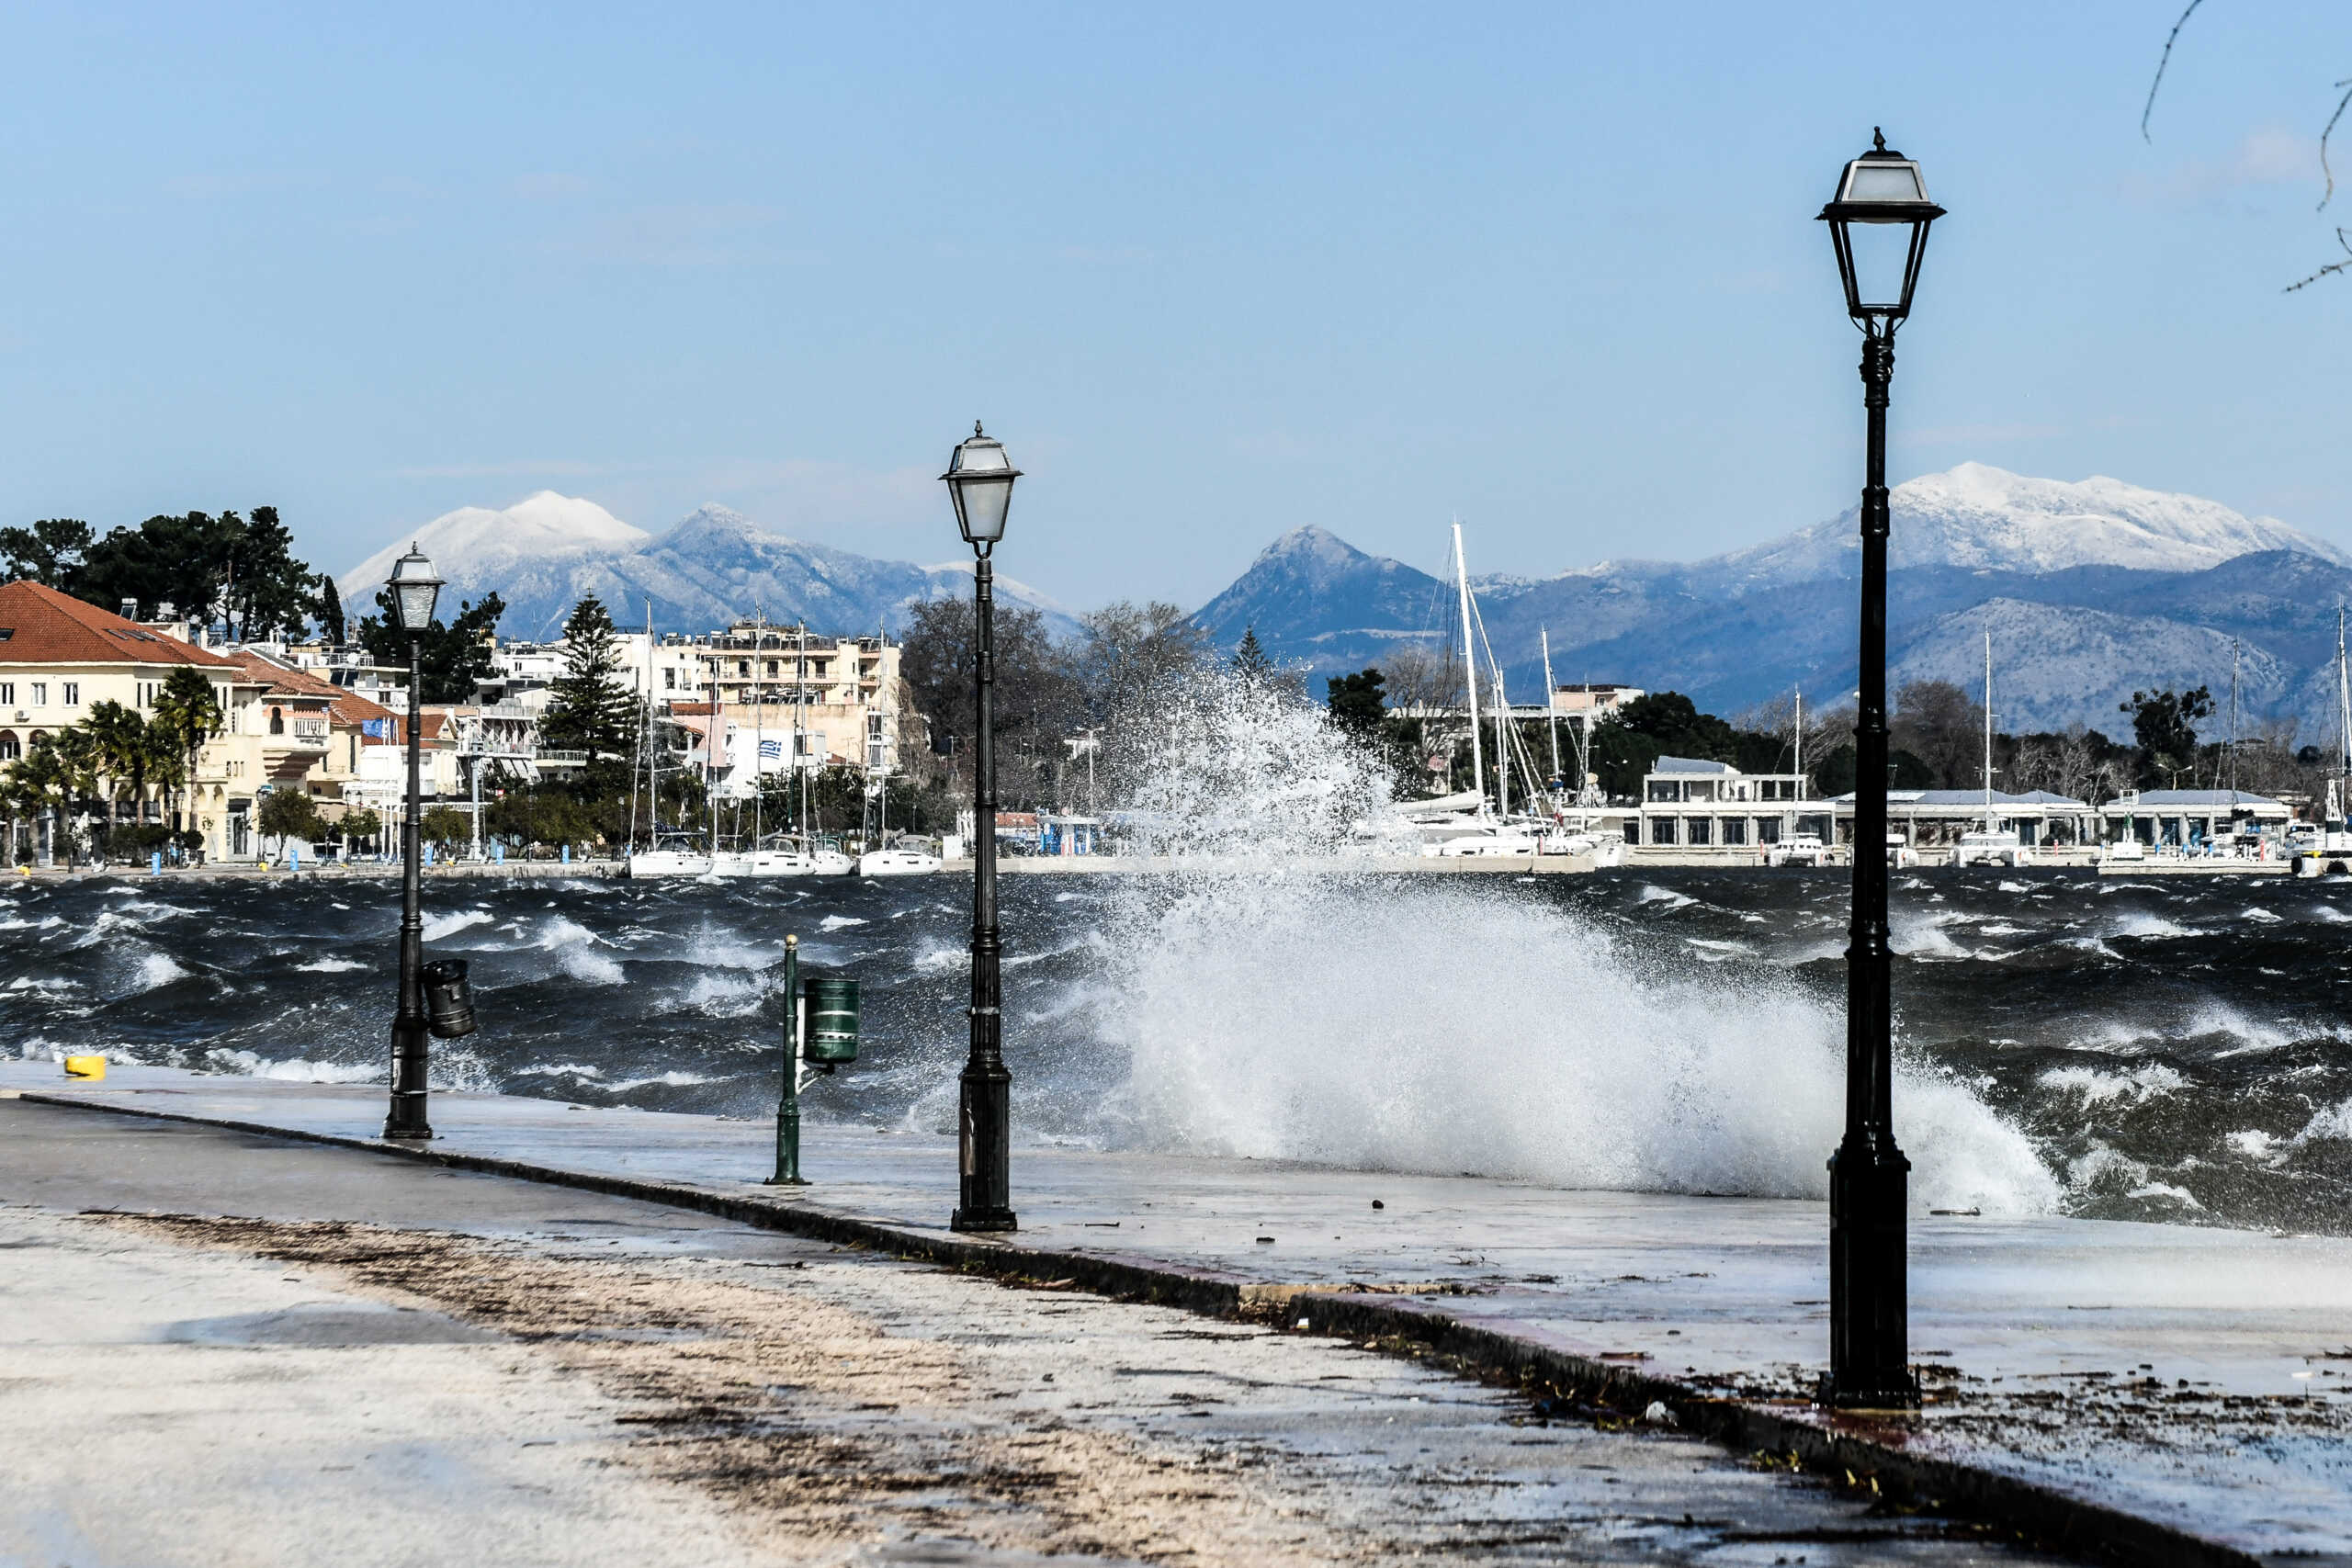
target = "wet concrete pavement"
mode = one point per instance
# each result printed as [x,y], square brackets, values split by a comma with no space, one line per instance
[383,1361]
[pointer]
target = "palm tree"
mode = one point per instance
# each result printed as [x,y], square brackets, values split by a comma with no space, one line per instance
[79,765]
[119,747]
[188,714]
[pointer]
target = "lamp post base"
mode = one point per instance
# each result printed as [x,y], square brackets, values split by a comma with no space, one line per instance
[984,1221]
[1869,1307]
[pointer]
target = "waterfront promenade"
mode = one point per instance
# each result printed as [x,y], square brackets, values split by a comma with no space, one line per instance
[2172,1393]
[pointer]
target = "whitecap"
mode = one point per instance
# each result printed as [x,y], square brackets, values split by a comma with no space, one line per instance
[329,966]
[449,923]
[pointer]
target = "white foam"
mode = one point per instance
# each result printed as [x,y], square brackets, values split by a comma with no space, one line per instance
[453,921]
[153,969]
[329,966]
[839,922]
[2333,1122]
[1315,1020]
[297,1069]
[2139,922]
[2096,1087]
[577,951]
[1651,893]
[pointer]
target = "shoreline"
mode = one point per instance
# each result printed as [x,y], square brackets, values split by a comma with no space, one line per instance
[1130,865]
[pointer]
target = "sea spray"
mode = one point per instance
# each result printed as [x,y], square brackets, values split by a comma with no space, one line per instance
[1400,1024]
[1291,1002]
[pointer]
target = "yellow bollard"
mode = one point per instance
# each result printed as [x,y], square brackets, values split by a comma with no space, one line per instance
[90,1067]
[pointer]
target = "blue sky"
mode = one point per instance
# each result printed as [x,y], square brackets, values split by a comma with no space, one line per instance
[1210,272]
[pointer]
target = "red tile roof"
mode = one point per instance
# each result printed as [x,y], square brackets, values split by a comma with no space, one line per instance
[41,625]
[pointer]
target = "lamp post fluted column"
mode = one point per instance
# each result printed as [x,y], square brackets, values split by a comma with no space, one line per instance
[1869,1177]
[984,1150]
[980,481]
[407,1119]
[1878,221]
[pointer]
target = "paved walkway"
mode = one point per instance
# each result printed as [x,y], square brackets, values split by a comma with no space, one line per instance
[459,1369]
[2196,1378]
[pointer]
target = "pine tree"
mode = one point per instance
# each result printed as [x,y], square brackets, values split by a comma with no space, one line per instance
[329,613]
[588,707]
[1249,661]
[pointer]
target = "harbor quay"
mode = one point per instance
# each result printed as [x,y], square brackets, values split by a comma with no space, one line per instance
[2113,1390]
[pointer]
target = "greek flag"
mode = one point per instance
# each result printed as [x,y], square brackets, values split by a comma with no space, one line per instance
[377,728]
[771,751]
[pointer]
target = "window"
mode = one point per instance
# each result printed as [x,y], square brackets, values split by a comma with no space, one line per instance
[72,690]
[1735,830]
[770,668]
[1661,789]
[9,693]
[41,693]
[669,680]
[1702,829]
[277,721]
[10,750]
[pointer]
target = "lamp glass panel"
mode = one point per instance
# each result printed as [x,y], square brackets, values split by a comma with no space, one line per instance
[1871,180]
[973,458]
[985,502]
[1880,252]
[415,601]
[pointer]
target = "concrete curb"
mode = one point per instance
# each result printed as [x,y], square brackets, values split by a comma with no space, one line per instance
[1865,1451]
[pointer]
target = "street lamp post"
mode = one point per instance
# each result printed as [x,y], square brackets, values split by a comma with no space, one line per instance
[1878,221]
[413,590]
[979,480]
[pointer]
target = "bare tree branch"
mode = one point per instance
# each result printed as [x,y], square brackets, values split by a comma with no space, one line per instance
[2324,135]
[2333,266]
[2162,60]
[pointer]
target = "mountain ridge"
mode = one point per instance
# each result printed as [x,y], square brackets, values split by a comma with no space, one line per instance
[2102,587]
[710,568]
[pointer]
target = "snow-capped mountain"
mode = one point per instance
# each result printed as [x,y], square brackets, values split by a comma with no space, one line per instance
[2094,588]
[1987,519]
[519,544]
[542,556]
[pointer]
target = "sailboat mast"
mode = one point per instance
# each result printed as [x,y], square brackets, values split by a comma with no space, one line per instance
[2344,699]
[1551,708]
[2233,720]
[1799,741]
[1988,726]
[1469,669]
[799,730]
[759,725]
[1502,749]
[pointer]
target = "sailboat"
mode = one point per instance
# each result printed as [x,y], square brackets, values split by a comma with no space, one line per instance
[672,852]
[2329,849]
[1988,845]
[891,862]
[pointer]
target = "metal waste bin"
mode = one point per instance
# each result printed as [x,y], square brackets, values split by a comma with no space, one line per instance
[448,999]
[832,1038]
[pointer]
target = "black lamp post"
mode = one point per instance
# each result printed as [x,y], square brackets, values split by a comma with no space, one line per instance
[413,590]
[979,478]
[1878,221]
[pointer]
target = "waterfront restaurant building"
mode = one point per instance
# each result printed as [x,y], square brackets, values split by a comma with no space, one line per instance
[1690,803]
[2187,817]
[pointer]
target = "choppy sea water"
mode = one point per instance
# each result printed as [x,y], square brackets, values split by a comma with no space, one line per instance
[2176,1050]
